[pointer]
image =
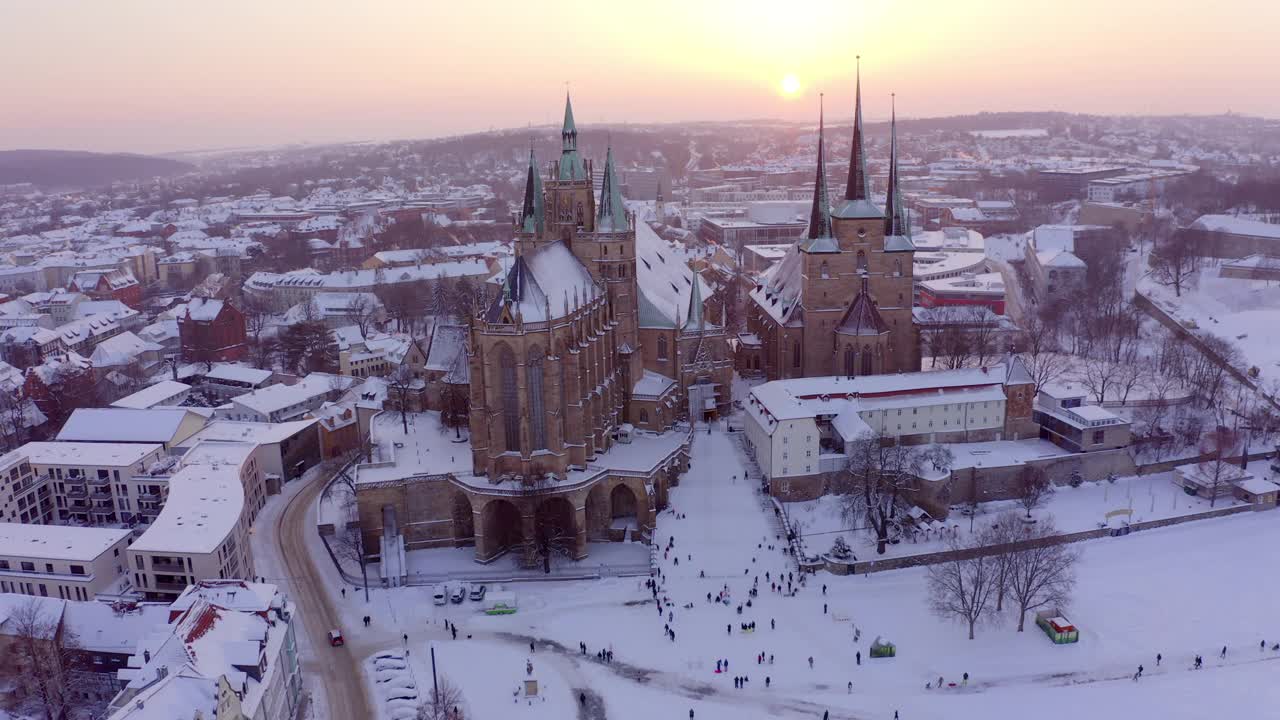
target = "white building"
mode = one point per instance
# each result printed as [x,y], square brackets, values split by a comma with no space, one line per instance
[100,483]
[282,403]
[203,530]
[803,428]
[26,496]
[167,426]
[163,393]
[230,653]
[69,563]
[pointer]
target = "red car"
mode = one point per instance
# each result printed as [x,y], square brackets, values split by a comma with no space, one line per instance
[335,639]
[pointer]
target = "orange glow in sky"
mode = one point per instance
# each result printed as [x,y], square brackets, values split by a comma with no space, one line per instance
[150,75]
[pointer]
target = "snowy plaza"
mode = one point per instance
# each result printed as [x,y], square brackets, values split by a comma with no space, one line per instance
[1179,592]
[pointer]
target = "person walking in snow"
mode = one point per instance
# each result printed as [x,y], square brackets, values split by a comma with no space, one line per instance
[766,681]
[1223,655]
[1158,659]
[810,662]
[965,681]
[858,656]
[850,687]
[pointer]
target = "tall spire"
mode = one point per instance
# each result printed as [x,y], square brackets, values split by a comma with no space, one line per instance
[894,218]
[531,213]
[571,165]
[611,216]
[569,133]
[820,215]
[856,188]
[695,317]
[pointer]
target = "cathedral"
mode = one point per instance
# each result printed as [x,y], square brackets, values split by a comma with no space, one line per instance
[839,302]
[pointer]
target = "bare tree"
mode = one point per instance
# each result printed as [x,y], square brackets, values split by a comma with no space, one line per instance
[44,655]
[401,383]
[349,543]
[962,587]
[1041,571]
[361,311]
[1100,376]
[257,313]
[1033,487]
[1129,375]
[875,487]
[1174,261]
[939,457]
[1215,466]
[445,703]
[14,418]
[1040,354]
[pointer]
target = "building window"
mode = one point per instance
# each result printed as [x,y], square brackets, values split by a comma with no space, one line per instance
[862,261]
[510,398]
[1098,436]
[537,416]
[662,347]
[824,271]
[795,354]
[644,415]
[848,361]
[866,361]
[77,569]
[897,268]
[28,566]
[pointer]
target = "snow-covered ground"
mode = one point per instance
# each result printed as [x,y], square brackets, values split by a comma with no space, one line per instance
[1240,311]
[1074,509]
[1177,591]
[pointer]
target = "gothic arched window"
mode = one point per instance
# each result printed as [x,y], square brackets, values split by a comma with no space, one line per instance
[510,396]
[825,271]
[537,412]
[897,268]
[644,416]
[862,261]
[866,361]
[662,347]
[848,360]
[795,354]
[580,216]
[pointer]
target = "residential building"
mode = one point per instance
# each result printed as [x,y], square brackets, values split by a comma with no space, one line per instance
[285,449]
[70,563]
[166,426]
[1066,421]
[163,393]
[227,381]
[114,284]
[229,652]
[282,403]
[26,495]
[212,331]
[99,483]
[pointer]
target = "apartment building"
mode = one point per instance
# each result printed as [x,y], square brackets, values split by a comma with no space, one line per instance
[25,496]
[202,532]
[69,563]
[94,483]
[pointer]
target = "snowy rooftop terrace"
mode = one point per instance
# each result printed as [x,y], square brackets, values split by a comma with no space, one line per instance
[104,454]
[204,504]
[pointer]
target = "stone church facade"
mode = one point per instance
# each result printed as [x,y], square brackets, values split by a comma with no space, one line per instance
[839,302]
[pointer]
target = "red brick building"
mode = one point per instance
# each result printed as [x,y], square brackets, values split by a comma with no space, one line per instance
[212,331]
[118,284]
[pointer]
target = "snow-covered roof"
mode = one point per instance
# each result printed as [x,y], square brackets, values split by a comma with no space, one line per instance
[1060,259]
[238,373]
[123,425]
[1237,226]
[447,342]
[664,279]
[203,309]
[113,627]
[160,393]
[250,432]
[551,279]
[88,454]
[274,398]
[652,384]
[204,504]
[121,349]
[58,542]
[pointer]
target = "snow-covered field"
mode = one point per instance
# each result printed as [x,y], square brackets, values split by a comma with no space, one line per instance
[1241,311]
[1177,591]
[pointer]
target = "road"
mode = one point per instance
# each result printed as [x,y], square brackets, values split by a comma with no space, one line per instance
[337,670]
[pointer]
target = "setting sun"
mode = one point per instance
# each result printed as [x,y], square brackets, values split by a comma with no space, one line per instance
[790,85]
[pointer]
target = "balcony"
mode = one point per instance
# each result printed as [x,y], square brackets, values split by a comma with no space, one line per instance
[149,497]
[149,511]
[76,491]
[169,587]
[100,482]
[167,566]
[104,504]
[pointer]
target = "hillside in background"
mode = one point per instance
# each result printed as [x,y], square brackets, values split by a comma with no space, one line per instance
[75,169]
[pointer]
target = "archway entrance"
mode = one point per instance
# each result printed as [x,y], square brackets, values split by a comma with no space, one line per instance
[554,532]
[502,526]
[464,527]
[622,505]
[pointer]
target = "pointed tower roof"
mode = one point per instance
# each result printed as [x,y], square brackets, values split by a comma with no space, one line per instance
[819,237]
[532,212]
[611,215]
[571,166]
[857,191]
[897,230]
[695,317]
[862,319]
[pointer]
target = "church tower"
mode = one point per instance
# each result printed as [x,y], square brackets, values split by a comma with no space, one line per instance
[570,201]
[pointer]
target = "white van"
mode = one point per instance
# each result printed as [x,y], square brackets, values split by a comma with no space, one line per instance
[441,596]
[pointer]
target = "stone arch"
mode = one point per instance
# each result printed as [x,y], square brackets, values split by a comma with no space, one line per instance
[464,525]
[502,526]
[622,503]
[597,511]
[554,529]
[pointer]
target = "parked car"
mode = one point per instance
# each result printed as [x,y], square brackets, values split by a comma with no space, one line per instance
[478,591]
[440,597]
[335,639]
[458,595]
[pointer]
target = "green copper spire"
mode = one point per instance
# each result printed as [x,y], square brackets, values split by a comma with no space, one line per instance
[695,317]
[569,133]
[532,213]
[612,213]
[895,219]
[571,165]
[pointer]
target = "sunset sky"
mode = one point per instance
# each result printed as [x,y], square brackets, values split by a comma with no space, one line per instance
[155,76]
